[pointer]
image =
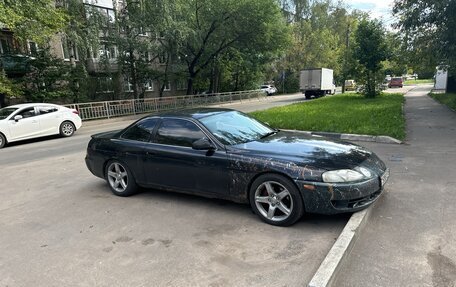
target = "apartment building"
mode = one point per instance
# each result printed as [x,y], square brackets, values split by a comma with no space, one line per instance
[107,80]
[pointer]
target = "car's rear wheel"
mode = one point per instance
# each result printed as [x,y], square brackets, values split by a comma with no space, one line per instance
[276,200]
[120,179]
[67,129]
[2,140]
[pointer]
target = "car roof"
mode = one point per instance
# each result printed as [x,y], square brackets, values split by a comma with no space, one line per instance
[27,105]
[196,113]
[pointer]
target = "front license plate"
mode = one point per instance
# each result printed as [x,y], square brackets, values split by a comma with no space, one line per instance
[385,176]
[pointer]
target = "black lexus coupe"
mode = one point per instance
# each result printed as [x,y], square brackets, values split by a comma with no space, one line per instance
[222,153]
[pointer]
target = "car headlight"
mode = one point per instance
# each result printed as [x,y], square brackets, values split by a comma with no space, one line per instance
[345,175]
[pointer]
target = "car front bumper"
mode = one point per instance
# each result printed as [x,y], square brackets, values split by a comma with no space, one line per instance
[332,198]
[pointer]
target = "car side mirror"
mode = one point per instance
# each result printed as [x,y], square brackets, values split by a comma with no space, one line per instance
[17,118]
[203,144]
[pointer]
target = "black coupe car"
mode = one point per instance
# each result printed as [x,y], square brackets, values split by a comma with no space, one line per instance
[222,153]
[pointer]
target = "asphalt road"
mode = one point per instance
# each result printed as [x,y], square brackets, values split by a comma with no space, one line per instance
[61,226]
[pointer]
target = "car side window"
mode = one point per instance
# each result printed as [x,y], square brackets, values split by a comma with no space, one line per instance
[46,110]
[27,113]
[178,132]
[141,131]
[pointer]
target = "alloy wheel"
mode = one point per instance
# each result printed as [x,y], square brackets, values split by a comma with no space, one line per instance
[273,201]
[117,177]
[67,129]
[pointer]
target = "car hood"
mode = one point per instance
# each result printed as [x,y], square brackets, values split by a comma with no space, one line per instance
[304,149]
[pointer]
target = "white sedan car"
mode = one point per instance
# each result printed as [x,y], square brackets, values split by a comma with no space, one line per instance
[26,121]
[268,89]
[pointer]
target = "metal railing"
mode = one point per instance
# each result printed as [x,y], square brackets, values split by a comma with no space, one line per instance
[109,109]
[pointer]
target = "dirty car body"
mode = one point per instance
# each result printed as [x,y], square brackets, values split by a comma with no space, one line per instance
[222,153]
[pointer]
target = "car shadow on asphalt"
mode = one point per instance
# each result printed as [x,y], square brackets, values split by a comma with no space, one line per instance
[34,140]
[216,206]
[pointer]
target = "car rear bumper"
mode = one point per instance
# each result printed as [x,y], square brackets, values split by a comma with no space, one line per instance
[330,198]
[95,166]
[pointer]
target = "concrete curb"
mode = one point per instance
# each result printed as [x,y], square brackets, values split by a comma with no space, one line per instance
[353,137]
[330,266]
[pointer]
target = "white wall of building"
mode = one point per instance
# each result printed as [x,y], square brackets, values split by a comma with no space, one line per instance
[441,79]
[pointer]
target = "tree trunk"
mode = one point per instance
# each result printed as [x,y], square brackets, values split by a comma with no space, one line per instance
[190,85]
[133,78]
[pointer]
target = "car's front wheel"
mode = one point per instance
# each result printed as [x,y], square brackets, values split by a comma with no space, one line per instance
[276,200]
[67,129]
[2,141]
[120,179]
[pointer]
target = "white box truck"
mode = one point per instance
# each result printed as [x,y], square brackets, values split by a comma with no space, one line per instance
[317,82]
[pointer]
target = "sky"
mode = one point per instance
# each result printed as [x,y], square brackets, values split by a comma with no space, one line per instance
[376,8]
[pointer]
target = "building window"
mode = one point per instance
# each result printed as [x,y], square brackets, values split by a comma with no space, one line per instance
[32,48]
[106,13]
[5,46]
[69,50]
[107,51]
[167,86]
[142,31]
[128,86]
[181,85]
[145,56]
[104,85]
[162,57]
[149,85]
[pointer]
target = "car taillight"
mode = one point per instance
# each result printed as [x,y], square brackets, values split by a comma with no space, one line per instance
[75,112]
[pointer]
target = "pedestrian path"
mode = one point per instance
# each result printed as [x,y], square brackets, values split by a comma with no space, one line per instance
[410,238]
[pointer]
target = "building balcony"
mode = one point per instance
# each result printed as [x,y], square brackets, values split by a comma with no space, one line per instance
[15,64]
[96,65]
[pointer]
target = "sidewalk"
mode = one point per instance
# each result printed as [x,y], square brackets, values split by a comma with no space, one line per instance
[410,238]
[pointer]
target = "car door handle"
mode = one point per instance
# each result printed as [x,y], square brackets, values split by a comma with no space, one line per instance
[150,153]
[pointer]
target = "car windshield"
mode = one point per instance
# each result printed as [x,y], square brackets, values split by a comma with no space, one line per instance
[5,112]
[233,128]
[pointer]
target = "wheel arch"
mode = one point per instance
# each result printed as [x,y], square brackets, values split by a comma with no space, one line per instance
[70,121]
[110,159]
[249,186]
[5,137]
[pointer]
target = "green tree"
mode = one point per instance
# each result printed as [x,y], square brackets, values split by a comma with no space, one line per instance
[322,36]
[140,53]
[428,27]
[398,62]
[8,88]
[212,27]
[47,80]
[35,20]
[371,49]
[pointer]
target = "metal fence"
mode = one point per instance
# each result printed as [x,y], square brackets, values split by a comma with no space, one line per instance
[109,109]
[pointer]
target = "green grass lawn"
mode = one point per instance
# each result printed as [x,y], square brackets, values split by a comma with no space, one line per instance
[446,99]
[348,113]
[419,81]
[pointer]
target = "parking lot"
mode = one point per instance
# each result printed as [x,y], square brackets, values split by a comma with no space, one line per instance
[61,226]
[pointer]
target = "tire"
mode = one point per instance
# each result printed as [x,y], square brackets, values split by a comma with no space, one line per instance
[276,200]
[2,141]
[120,179]
[67,129]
